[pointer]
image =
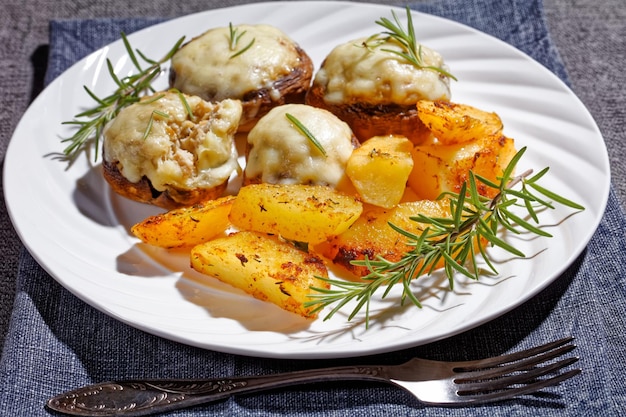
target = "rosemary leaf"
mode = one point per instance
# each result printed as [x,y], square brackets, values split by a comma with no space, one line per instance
[306,132]
[559,199]
[130,52]
[183,100]
[113,75]
[526,225]
[148,127]
[242,50]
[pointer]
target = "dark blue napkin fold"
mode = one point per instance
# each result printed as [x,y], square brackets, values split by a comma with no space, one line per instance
[56,342]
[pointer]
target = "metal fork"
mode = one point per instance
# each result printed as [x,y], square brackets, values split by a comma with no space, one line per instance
[431,382]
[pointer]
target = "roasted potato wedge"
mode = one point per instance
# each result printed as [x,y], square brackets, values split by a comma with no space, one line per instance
[379,169]
[186,227]
[455,123]
[306,213]
[264,266]
[465,139]
[371,236]
[444,168]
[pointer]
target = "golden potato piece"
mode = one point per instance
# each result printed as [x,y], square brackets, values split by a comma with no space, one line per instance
[444,168]
[371,236]
[186,226]
[264,266]
[379,169]
[306,213]
[454,123]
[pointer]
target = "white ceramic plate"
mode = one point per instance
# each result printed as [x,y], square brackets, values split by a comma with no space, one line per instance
[77,229]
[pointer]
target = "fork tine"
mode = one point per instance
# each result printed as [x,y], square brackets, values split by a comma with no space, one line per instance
[513,357]
[520,365]
[506,394]
[468,386]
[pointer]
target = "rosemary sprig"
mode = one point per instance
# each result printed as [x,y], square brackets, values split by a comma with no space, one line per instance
[90,123]
[306,132]
[411,49]
[234,38]
[457,240]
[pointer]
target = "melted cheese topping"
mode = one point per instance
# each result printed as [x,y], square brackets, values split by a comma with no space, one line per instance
[281,154]
[177,151]
[355,74]
[204,66]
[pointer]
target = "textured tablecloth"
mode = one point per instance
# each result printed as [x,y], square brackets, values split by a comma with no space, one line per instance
[56,342]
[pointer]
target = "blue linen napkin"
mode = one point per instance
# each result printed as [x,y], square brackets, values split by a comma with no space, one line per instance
[56,342]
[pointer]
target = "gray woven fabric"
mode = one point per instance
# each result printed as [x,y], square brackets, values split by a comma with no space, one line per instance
[55,342]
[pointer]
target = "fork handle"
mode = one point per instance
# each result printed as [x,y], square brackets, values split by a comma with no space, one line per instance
[144,397]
